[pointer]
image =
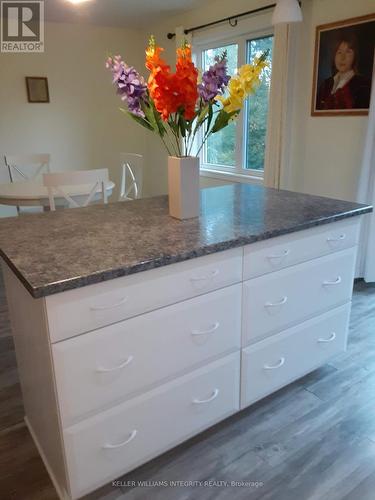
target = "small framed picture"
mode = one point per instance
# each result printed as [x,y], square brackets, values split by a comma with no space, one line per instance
[343,67]
[37,89]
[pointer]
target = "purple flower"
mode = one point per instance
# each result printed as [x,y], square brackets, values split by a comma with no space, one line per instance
[214,79]
[130,84]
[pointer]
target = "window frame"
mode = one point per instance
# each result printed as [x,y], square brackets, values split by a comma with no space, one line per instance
[237,172]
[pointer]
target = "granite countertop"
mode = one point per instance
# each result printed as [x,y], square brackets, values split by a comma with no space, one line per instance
[57,251]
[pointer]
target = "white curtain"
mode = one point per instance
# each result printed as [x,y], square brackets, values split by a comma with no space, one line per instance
[277,159]
[366,194]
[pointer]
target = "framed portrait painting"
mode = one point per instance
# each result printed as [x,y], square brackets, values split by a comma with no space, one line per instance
[343,67]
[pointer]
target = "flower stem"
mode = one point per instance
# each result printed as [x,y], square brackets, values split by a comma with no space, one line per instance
[175,152]
[165,145]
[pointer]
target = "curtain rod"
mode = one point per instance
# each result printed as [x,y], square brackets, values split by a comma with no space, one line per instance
[233,20]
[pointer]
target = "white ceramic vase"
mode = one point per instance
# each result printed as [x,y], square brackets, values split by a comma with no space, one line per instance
[183,187]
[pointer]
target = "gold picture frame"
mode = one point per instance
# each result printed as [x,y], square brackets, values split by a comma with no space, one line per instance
[343,67]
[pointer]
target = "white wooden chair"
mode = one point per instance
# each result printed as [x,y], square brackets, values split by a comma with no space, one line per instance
[27,167]
[95,179]
[132,176]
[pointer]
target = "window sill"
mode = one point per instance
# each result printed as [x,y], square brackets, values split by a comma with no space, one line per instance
[230,176]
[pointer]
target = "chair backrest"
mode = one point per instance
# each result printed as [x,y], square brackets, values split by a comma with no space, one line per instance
[132,176]
[27,167]
[96,180]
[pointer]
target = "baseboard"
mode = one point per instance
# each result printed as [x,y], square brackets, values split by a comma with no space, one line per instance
[61,493]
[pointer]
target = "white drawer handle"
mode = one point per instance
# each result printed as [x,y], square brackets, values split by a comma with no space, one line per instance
[111,306]
[209,276]
[115,368]
[330,339]
[336,282]
[205,332]
[120,445]
[339,238]
[280,256]
[281,302]
[274,367]
[211,398]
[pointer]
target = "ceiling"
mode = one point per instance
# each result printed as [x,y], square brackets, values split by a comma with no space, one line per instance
[127,13]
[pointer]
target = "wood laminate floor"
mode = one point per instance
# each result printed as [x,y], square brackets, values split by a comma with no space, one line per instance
[313,440]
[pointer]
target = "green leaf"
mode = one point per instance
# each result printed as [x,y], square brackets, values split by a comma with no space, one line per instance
[210,115]
[202,115]
[264,55]
[138,119]
[182,124]
[173,125]
[158,120]
[189,124]
[222,120]
[149,112]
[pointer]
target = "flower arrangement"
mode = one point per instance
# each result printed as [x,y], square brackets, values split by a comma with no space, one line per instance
[176,105]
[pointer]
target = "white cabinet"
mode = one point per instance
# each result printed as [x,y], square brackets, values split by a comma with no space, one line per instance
[133,366]
[278,300]
[280,359]
[291,249]
[114,362]
[84,309]
[104,447]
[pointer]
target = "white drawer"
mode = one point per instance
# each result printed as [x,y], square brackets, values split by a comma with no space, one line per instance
[144,427]
[94,306]
[276,361]
[278,300]
[271,255]
[120,360]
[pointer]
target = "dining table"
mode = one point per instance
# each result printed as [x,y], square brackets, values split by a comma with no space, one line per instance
[32,193]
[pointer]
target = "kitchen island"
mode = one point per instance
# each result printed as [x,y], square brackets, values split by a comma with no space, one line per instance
[135,331]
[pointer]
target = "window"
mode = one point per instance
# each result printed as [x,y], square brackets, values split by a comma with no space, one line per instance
[256,111]
[220,147]
[240,147]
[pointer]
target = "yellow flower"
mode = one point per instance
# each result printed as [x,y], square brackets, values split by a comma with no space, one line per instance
[241,85]
[248,77]
[234,101]
[250,74]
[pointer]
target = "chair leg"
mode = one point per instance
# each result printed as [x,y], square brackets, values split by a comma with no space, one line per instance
[104,193]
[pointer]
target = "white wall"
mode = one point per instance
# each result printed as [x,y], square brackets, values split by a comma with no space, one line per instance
[82,126]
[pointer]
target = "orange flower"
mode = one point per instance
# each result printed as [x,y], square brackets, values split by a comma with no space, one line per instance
[171,92]
[160,80]
[186,81]
[153,59]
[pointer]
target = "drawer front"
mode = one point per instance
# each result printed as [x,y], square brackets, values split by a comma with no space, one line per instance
[110,364]
[106,446]
[278,300]
[78,311]
[274,362]
[271,255]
